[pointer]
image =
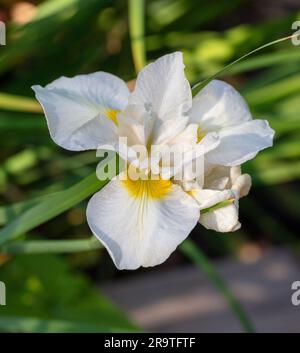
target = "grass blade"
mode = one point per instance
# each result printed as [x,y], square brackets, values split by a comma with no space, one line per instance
[198,257]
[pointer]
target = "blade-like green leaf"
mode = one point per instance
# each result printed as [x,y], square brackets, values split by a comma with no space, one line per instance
[8,213]
[53,205]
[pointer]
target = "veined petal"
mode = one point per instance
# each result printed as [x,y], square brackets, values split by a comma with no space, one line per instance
[242,142]
[141,222]
[165,131]
[218,105]
[81,111]
[163,87]
[132,124]
[193,159]
[187,137]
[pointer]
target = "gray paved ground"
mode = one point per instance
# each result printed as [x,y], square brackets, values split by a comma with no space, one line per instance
[183,300]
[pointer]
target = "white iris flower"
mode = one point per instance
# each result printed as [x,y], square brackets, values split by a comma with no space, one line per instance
[141,222]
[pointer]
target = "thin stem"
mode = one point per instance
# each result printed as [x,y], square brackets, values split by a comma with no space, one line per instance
[189,248]
[217,206]
[199,85]
[136,10]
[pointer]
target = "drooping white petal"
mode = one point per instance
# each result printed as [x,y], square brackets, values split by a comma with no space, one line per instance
[162,87]
[141,225]
[80,111]
[223,220]
[218,105]
[222,183]
[242,142]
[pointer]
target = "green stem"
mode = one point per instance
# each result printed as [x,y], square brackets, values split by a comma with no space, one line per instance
[198,257]
[199,85]
[217,206]
[52,246]
[136,14]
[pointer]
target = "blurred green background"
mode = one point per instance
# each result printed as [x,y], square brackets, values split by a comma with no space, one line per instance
[48,39]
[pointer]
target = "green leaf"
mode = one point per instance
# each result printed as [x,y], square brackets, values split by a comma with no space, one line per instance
[8,213]
[198,257]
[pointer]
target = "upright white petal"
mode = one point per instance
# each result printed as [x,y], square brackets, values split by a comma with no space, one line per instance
[81,111]
[242,185]
[162,87]
[165,131]
[219,105]
[141,225]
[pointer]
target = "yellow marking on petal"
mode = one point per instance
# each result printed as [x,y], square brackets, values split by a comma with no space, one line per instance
[150,189]
[112,115]
[192,192]
[200,134]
